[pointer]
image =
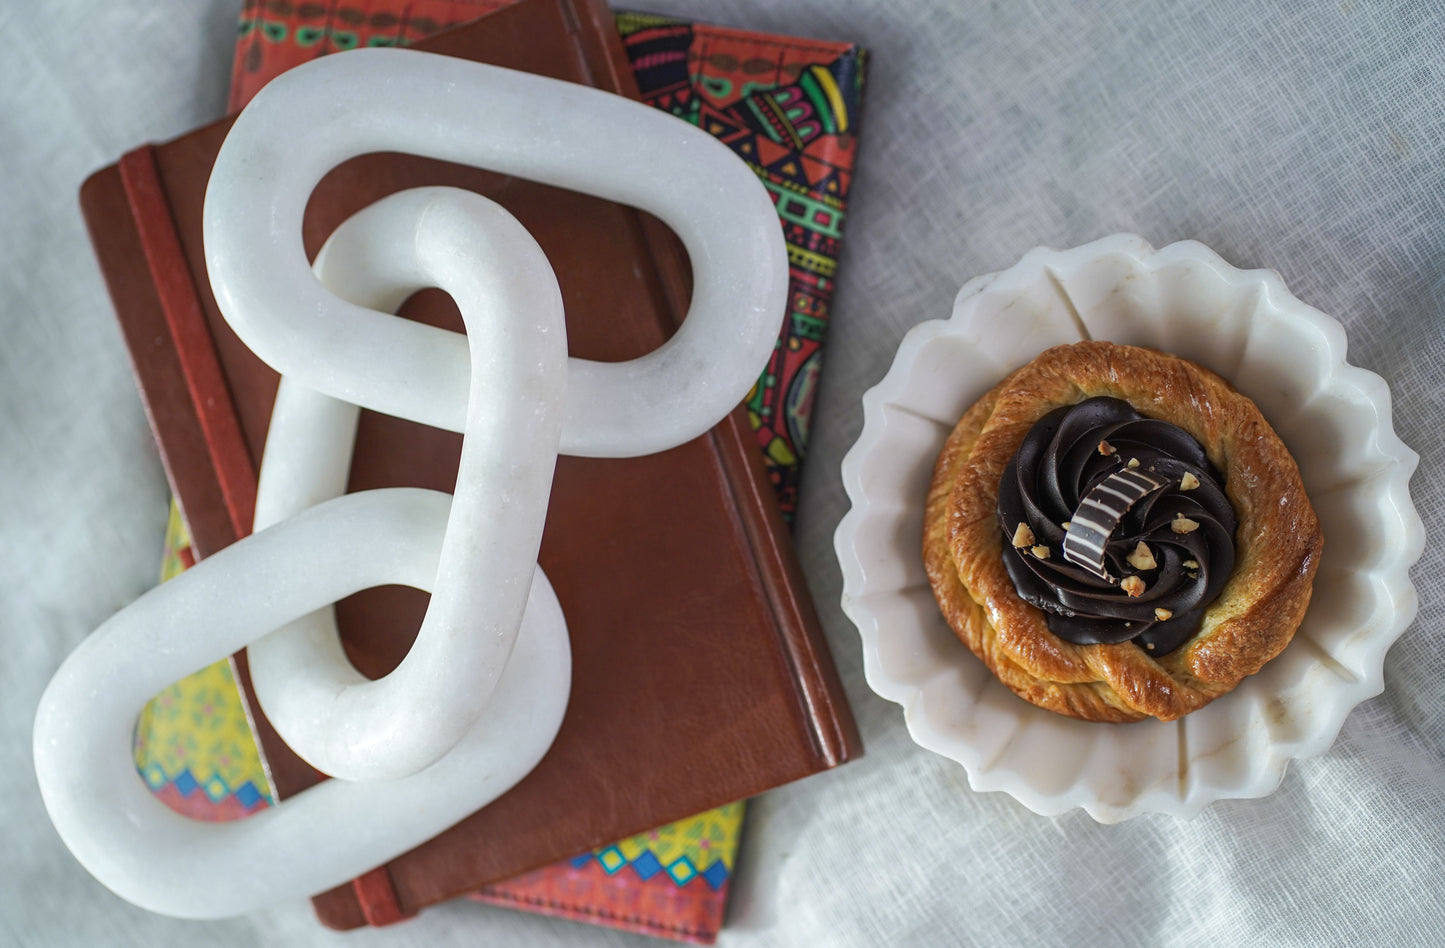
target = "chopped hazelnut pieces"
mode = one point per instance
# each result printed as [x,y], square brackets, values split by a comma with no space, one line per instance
[1066,524]
[1188,481]
[1191,564]
[1132,585]
[1142,557]
[1133,463]
[1042,552]
[1182,524]
[1163,615]
[1149,646]
[1107,449]
[1023,536]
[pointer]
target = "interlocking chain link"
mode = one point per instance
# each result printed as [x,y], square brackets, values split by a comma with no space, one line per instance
[480,696]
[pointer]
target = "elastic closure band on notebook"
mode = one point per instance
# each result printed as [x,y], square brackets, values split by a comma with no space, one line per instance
[189,331]
[377,898]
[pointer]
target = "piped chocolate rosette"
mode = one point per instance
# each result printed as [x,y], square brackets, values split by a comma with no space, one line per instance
[1116,525]
[1105,498]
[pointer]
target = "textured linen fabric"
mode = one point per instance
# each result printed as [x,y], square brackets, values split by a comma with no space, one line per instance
[1306,140]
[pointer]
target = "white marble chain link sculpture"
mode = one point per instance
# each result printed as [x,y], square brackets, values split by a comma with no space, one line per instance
[478,699]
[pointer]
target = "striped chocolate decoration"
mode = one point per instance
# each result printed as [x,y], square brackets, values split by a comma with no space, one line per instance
[1099,514]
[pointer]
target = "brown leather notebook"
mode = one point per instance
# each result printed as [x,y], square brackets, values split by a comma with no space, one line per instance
[700,675]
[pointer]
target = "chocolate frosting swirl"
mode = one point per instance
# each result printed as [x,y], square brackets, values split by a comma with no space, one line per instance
[1059,462]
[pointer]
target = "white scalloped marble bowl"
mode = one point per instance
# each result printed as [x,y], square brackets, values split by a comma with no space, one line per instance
[1334,417]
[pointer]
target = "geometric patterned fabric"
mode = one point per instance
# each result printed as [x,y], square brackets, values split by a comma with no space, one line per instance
[678,849]
[194,737]
[789,108]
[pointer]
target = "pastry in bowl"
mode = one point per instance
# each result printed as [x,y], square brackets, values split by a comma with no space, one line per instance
[1118,534]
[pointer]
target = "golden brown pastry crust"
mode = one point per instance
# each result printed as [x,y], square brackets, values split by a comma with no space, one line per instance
[1277,550]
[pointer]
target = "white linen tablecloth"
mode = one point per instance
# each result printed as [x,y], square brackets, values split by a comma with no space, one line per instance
[1310,141]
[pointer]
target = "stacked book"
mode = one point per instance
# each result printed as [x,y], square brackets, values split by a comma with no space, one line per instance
[701,676]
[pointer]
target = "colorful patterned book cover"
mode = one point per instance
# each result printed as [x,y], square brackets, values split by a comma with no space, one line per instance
[789,108]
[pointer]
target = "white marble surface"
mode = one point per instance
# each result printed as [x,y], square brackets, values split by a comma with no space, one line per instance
[1306,141]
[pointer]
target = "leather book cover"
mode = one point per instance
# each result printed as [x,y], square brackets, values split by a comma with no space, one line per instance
[696,650]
